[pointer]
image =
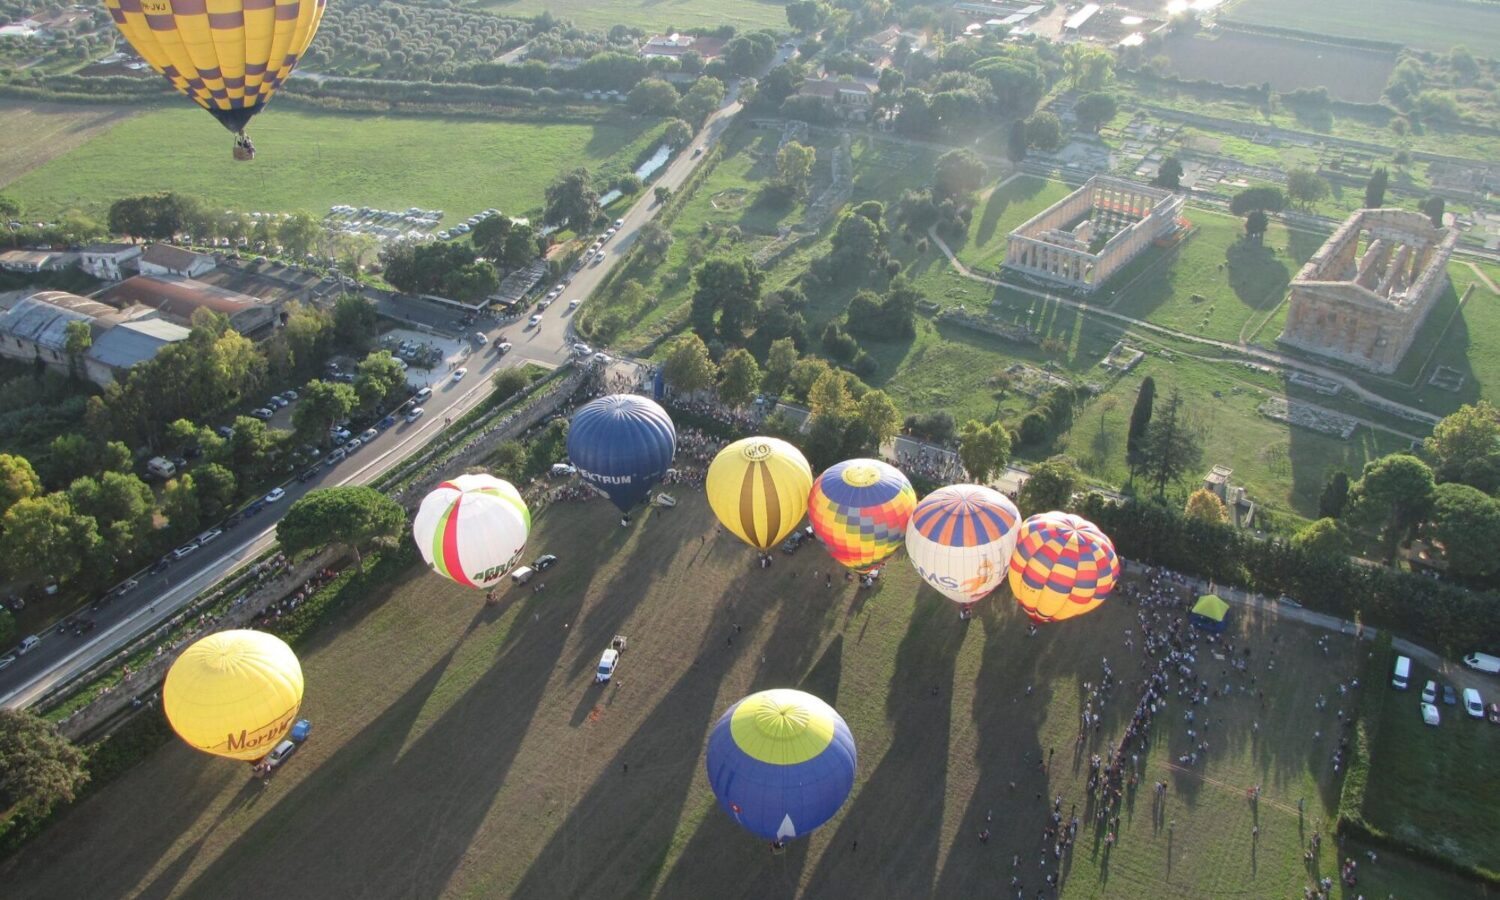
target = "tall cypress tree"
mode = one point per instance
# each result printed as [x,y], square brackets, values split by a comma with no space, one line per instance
[1375,188]
[1335,496]
[1140,418]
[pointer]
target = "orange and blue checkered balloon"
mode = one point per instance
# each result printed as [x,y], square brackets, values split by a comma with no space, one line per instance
[859,509]
[1064,566]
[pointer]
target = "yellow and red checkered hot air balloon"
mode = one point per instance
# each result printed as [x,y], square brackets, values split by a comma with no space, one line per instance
[472,529]
[227,56]
[859,509]
[1064,566]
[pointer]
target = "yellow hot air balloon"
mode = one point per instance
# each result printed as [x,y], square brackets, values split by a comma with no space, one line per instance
[228,56]
[234,693]
[758,488]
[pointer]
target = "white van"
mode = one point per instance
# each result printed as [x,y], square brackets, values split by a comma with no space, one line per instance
[161,467]
[1483,662]
[1401,676]
[522,575]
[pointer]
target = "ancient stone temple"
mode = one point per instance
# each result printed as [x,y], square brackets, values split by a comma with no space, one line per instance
[1364,294]
[1090,234]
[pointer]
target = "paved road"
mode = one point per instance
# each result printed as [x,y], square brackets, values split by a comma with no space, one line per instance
[62,656]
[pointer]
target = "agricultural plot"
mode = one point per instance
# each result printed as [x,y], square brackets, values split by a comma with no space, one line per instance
[311,161]
[34,133]
[1427,24]
[659,15]
[1353,74]
[461,750]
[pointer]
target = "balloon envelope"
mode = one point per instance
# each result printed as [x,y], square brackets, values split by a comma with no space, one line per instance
[622,444]
[1064,566]
[859,509]
[781,762]
[233,693]
[961,538]
[228,56]
[758,486]
[472,529]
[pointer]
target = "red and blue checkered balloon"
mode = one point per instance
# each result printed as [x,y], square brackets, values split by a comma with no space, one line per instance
[1064,566]
[859,509]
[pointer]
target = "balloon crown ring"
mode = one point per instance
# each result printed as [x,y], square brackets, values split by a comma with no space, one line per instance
[757,451]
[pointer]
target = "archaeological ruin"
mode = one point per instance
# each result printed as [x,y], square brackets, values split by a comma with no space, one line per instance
[1090,234]
[1362,297]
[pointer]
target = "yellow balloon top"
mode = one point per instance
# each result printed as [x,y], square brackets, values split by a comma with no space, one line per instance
[234,693]
[758,488]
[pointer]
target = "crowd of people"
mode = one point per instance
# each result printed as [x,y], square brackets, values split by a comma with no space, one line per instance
[932,464]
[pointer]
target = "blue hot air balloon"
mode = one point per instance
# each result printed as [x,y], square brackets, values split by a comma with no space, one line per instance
[622,444]
[781,762]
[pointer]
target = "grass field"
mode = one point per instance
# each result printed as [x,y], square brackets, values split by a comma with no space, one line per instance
[461,750]
[1233,57]
[1430,778]
[34,133]
[749,15]
[1428,24]
[311,161]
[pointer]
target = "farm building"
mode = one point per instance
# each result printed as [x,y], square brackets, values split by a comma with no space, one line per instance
[164,259]
[178,298]
[674,46]
[104,261]
[36,327]
[35,260]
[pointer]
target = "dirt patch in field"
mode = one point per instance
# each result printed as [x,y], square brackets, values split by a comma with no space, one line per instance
[33,133]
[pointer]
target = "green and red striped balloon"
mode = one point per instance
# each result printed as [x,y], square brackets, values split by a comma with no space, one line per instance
[472,529]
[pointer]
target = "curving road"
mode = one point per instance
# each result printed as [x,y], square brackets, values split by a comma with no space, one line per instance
[62,657]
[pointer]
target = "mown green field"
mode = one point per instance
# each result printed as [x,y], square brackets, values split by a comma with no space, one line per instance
[1428,24]
[461,751]
[659,15]
[311,161]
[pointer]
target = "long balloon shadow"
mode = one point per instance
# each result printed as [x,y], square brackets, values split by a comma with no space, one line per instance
[420,806]
[909,784]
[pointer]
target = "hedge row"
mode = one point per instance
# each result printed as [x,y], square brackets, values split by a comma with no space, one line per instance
[1448,619]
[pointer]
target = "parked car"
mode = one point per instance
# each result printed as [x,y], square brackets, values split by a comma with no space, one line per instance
[353,445]
[279,755]
[422,394]
[1401,673]
[459,374]
[186,549]
[573,304]
[387,422]
[336,457]
[368,435]
[289,396]
[309,475]
[502,348]
[1429,692]
[159,566]
[276,494]
[414,415]
[610,660]
[1449,696]
[544,563]
[224,431]
[534,321]
[1430,714]
[619,223]
[28,644]
[209,536]
[276,402]
[1472,704]
[263,414]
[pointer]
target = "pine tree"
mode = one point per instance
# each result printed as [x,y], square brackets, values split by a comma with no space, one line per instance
[1140,419]
[1170,449]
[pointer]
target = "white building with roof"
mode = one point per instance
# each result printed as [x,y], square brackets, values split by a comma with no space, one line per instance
[165,259]
[104,261]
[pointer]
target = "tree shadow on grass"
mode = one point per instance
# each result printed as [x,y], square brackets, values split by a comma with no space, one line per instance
[1257,276]
[1020,191]
[333,834]
[897,811]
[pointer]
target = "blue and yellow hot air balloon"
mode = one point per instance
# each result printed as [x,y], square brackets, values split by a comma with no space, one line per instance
[859,509]
[233,693]
[757,487]
[781,762]
[228,56]
[961,538]
[472,529]
[623,445]
[1064,566]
